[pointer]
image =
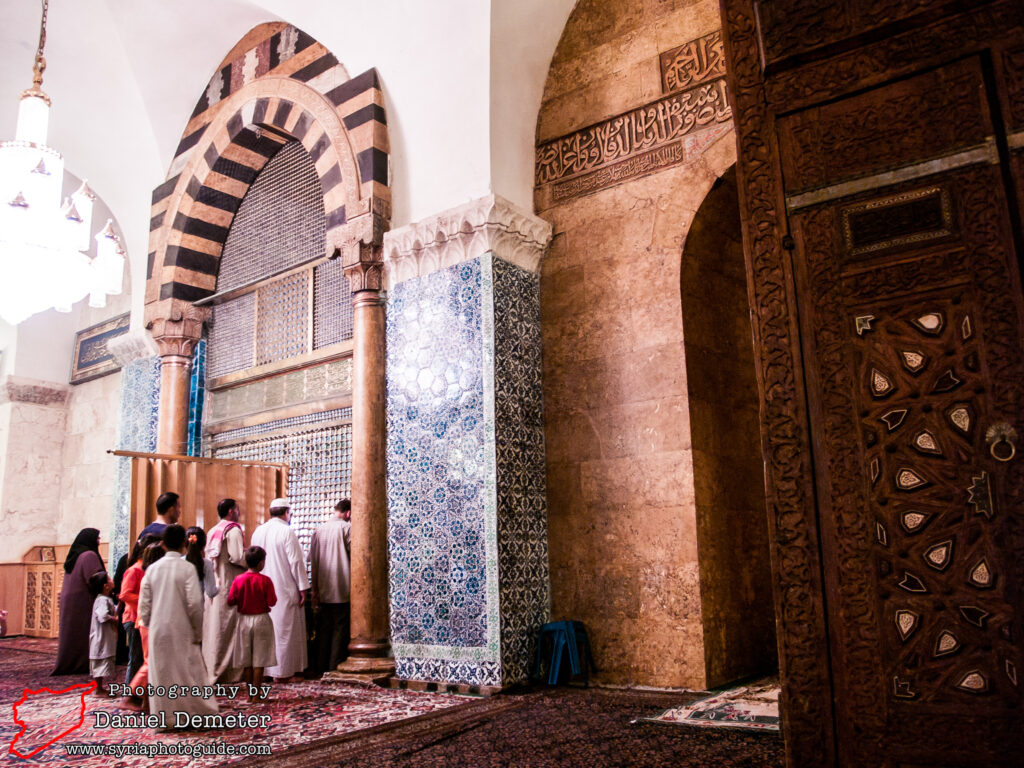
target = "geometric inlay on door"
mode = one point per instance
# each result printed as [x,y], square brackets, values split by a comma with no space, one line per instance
[946,643]
[940,555]
[906,623]
[913,361]
[894,418]
[925,442]
[973,682]
[908,479]
[981,575]
[921,378]
[979,495]
[912,520]
[881,384]
[930,323]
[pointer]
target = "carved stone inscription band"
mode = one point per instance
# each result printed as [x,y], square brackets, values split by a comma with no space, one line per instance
[638,130]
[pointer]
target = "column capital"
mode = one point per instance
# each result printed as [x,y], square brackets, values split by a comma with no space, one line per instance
[488,224]
[359,244]
[177,329]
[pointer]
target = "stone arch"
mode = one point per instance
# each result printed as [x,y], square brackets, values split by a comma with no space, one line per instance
[284,86]
[632,134]
[732,527]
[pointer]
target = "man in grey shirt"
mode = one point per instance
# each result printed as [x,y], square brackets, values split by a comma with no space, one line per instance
[328,559]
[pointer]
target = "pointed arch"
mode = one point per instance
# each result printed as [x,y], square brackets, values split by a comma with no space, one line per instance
[283,87]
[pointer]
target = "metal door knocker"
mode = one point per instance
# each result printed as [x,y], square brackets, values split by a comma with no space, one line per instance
[1001,439]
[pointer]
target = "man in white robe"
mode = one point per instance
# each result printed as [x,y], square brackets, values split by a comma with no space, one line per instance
[171,605]
[225,547]
[286,567]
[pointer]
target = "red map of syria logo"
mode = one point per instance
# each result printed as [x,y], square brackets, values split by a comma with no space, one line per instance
[47,723]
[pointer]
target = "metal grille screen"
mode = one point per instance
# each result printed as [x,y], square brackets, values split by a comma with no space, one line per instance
[230,346]
[280,222]
[332,299]
[282,318]
[320,468]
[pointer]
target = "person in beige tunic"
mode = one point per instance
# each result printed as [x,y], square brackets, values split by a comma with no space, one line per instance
[329,562]
[171,606]
[225,547]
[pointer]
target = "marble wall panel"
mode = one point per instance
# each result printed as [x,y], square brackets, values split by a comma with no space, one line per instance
[35,417]
[88,479]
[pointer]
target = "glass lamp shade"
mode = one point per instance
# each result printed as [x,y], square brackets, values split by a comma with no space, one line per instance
[33,120]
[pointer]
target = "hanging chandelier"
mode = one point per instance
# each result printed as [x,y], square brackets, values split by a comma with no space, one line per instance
[45,242]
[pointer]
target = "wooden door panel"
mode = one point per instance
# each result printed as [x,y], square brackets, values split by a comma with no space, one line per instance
[931,115]
[914,351]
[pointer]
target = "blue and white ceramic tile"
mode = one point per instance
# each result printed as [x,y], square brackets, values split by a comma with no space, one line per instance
[438,545]
[137,427]
[448,489]
[196,396]
[521,475]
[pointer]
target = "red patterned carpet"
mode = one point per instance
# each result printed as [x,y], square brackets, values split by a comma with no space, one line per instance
[315,725]
[299,713]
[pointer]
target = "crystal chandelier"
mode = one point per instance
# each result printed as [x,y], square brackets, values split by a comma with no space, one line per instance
[44,243]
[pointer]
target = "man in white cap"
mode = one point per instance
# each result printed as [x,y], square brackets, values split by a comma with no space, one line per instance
[286,567]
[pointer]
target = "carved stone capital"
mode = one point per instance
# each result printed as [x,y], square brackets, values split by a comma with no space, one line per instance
[131,346]
[490,223]
[366,275]
[177,328]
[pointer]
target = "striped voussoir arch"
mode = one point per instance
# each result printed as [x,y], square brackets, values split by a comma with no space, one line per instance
[286,87]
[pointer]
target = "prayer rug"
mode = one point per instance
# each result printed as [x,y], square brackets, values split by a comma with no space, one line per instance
[750,707]
[299,714]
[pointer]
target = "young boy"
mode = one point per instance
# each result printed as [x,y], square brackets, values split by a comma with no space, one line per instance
[254,595]
[102,631]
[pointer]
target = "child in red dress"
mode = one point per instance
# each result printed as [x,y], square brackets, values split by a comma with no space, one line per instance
[254,595]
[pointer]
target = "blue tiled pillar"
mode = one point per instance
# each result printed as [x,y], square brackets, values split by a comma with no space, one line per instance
[467,525]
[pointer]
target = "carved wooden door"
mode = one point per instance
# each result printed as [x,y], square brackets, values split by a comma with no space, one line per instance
[881,160]
[911,325]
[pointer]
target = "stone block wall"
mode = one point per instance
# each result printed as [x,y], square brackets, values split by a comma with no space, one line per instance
[467,533]
[87,484]
[33,415]
[634,129]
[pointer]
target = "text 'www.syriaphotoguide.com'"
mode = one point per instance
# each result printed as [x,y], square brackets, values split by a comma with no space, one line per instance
[198,749]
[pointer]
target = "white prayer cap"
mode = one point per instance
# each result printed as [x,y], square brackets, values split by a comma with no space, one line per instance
[280,504]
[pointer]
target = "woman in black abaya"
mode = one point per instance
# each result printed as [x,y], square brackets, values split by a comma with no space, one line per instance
[76,603]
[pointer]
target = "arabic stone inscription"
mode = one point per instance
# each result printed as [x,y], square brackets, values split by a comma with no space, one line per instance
[692,63]
[638,130]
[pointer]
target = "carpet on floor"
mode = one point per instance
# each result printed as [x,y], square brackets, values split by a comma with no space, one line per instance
[752,707]
[299,714]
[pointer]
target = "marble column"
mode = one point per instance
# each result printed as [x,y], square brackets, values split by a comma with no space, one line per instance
[369,649]
[175,338]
